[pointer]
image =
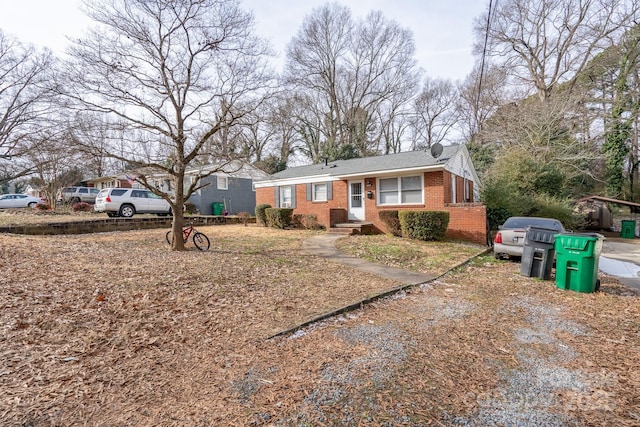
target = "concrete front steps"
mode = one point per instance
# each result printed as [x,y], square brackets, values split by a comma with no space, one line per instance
[350,228]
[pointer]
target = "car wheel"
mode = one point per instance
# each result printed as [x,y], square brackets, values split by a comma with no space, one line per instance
[32,205]
[127,211]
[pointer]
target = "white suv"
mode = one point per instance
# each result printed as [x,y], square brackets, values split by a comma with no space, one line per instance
[127,202]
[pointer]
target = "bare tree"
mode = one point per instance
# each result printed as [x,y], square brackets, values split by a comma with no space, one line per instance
[544,134]
[24,101]
[349,75]
[55,164]
[93,137]
[435,113]
[173,74]
[479,100]
[548,42]
[282,136]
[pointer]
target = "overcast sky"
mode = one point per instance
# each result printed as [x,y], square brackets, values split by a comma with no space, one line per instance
[442,28]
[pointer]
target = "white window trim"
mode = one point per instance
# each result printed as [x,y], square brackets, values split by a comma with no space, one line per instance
[399,192]
[467,196]
[454,190]
[314,192]
[283,203]
[220,180]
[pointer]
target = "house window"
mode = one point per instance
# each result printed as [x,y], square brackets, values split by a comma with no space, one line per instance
[320,192]
[467,197]
[285,197]
[223,182]
[454,194]
[403,190]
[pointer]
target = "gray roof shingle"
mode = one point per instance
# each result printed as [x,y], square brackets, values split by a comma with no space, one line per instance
[364,165]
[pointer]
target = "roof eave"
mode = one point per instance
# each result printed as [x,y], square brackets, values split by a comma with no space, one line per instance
[329,177]
[292,181]
[391,172]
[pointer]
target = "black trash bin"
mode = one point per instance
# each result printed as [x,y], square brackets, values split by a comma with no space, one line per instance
[539,253]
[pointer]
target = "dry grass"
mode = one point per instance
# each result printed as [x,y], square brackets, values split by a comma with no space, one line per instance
[25,216]
[9,217]
[115,329]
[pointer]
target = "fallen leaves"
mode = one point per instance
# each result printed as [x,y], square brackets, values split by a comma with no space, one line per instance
[115,329]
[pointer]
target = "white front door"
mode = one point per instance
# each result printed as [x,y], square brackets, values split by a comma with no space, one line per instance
[356,200]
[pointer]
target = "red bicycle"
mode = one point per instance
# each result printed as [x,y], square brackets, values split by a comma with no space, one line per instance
[200,240]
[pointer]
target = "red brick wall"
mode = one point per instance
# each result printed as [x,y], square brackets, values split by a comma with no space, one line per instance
[304,206]
[436,189]
[467,221]
[265,196]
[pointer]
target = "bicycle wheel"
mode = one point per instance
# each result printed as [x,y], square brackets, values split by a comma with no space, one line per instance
[201,241]
[169,237]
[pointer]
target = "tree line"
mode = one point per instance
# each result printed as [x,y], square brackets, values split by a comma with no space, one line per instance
[550,111]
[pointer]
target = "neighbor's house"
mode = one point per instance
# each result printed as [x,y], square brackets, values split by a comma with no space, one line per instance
[229,187]
[356,190]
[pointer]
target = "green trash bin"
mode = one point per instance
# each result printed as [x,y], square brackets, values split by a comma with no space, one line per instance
[628,229]
[577,258]
[218,208]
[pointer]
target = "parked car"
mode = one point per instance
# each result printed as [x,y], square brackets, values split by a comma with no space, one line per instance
[509,242]
[78,194]
[127,202]
[18,201]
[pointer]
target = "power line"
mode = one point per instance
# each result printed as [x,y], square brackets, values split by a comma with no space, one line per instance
[482,61]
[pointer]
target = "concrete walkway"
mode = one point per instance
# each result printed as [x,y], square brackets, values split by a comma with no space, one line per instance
[323,245]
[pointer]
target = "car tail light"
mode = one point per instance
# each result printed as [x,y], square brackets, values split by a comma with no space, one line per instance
[498,238]
[108,199]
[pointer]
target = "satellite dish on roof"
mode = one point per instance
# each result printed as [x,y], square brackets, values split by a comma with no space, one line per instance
[436,150]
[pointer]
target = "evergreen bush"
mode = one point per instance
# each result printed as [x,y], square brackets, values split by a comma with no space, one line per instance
[278,217]
[424,225]
[391,221]
[261,216]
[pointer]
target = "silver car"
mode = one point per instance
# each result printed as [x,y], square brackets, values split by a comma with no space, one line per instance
[18,201]
[509,242]
[127,202]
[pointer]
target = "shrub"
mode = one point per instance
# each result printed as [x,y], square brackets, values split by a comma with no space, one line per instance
[496,217]
[244,217]
[190,208]
[81,207]
[550,207]
[279,217]
[305,221]
[391,221]
[261,216]
[424,225]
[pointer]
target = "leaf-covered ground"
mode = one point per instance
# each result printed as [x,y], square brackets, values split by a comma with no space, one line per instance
[115,329]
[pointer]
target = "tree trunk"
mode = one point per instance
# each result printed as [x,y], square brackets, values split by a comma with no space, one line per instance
[178,214]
